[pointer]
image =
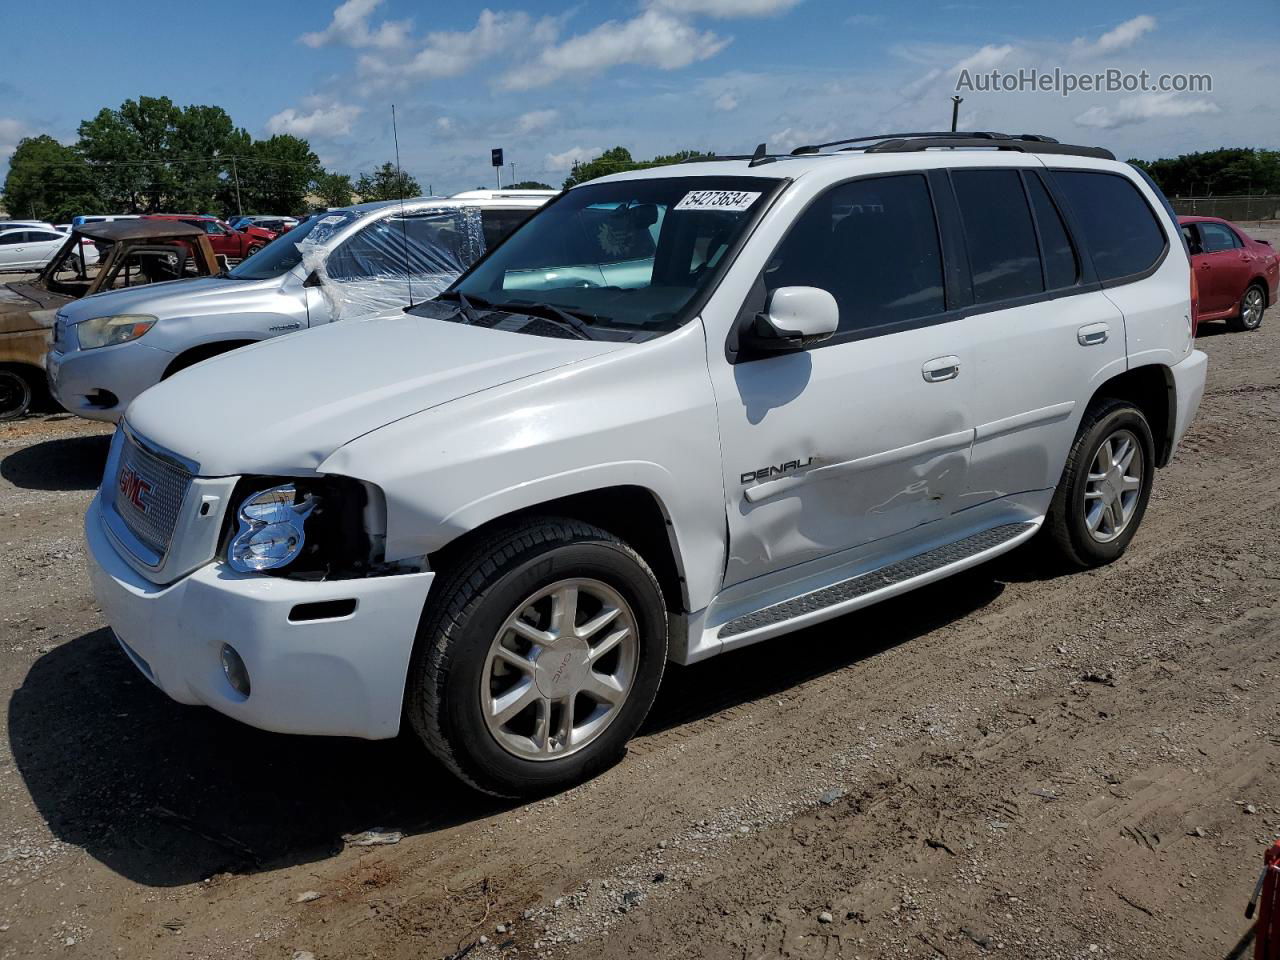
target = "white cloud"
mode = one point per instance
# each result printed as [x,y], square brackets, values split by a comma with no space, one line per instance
[350,27]
[536,120]
[1119,38]
[792,137]
[654,38]
[11,131]
[986,58]
[445,124]
[1144,107]
[566,160]
[324,119]
[726,101]
[726,9]
[864,20]
[450,53]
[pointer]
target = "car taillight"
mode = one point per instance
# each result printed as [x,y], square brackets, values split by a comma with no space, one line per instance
[1195,303]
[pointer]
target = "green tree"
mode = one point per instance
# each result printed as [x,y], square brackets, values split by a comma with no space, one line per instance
[277,175]
[386,184]
[619,160]
[1225,171]
[48,181]
[530,185]
[333,188]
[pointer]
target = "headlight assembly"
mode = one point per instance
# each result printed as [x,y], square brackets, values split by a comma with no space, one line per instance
[121,328]
[272,529]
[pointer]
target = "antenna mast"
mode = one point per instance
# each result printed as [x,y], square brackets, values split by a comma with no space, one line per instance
[404,229]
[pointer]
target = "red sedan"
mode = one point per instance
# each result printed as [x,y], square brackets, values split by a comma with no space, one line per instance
[232,244]
[1237,277]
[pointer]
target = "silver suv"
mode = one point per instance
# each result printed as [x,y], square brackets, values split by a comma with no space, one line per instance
[345,264]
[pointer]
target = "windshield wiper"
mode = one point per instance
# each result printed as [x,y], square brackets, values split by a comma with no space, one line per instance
[551,313]
[466,305]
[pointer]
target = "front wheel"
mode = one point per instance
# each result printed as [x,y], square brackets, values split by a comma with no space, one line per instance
[1252,304]
[538,658]
[253,248]
[1105,485]
[16,394]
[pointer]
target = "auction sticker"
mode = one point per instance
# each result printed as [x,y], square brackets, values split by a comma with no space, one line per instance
[734,201]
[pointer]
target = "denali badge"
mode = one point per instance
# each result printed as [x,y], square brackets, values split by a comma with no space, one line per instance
[764,473]
[134,488]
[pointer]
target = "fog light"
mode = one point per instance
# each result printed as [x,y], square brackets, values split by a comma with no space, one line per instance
[234,668]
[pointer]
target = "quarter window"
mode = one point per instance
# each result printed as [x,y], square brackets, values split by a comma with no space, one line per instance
[999,234]
[1119,228]
[873,244]
[1060,266]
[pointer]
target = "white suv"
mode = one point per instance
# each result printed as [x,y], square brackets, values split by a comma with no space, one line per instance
[678,411]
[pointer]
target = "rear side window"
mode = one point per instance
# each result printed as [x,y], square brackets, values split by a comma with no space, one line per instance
[498,223]
[1214,238]
[1119,227]
[1060,265]
[873,244]
[999,234]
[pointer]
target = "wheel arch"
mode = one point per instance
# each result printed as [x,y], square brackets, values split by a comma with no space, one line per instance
[1152,390]
[202,351]
[633,513]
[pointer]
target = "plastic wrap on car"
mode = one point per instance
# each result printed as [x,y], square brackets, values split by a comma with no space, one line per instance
[395,260]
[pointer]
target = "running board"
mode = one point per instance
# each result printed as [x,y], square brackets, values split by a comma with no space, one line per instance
[877,584]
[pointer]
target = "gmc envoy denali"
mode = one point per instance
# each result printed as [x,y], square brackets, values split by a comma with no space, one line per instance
[678,411]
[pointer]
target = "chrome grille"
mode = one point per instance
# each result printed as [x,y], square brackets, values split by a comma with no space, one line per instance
[147,494]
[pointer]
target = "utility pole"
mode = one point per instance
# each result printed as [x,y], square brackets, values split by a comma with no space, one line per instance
[513,171]
[235,175]
[955,111]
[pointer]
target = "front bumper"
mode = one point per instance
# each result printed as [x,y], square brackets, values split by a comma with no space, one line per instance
[78,378]
[341,676]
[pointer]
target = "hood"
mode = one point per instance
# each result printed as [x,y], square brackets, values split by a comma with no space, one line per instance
[196,296]
[285,405]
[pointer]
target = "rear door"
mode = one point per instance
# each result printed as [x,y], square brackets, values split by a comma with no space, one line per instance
[13,249]
[1042,331]
[1222,267]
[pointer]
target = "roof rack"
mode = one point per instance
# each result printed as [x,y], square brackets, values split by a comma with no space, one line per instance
[910,142]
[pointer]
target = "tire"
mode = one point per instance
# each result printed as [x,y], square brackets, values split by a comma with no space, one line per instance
[1252,304]
[1070,523]
[16,393]
[253,248]
[455,672]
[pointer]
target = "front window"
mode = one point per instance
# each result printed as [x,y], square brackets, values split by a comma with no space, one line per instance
[630,254]
[283,254]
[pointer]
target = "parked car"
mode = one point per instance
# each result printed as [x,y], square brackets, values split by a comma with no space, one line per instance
[346,264]
[82,219]
[226,242]
[20,224]
[275,224]
[28,248]
[136,253]
[840,376]
[1237,277]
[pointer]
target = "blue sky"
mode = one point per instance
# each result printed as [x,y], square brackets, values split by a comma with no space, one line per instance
[554,81]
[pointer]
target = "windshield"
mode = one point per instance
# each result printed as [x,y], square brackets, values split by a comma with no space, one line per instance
[630,254]
[282,254]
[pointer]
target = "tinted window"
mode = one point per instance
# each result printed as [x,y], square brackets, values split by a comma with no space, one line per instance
[44,235]
[1120,229]
[1059,258]
[998,232]
[13,236]
[874,245]
[1214,238]
[498,223]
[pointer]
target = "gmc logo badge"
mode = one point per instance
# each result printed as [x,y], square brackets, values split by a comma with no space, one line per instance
[134,488]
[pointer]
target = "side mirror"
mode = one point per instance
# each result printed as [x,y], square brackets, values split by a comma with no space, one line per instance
[313,279]
[795,317]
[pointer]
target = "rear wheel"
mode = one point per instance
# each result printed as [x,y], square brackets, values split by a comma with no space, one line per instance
[253,248]
[16,393]
[538,658]
[1252,305]
[1105,485]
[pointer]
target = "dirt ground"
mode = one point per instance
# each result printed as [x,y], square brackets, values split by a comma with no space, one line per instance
[1012,763]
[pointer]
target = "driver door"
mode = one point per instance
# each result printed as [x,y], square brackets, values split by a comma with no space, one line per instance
[868,434]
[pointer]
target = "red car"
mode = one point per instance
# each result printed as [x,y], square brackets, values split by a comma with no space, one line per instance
[227,242]
[1237,277]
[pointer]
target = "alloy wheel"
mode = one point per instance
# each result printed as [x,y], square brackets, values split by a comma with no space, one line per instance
[1251,309]
[1113,487]
[559,669]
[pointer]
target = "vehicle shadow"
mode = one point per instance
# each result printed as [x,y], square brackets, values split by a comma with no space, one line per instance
[72,463]
[165,794]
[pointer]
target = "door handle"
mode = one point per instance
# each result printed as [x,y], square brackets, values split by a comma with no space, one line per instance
[940,368]
[1092,334]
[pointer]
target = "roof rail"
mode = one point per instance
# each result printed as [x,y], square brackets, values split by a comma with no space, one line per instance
[909,142]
